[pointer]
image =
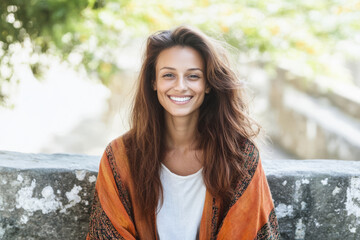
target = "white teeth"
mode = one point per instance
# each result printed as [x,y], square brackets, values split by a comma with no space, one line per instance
[180,99]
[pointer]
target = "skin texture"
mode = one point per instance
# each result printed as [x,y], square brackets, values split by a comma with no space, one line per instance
[180,76]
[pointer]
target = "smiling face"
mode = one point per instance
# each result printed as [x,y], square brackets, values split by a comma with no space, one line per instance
[180,81]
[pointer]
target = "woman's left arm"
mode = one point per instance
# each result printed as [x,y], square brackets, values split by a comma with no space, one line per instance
[251,214]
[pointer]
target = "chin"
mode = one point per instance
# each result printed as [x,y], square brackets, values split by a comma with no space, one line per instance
[181,113]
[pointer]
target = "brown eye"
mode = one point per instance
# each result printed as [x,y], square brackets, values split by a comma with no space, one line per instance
[194,76]
[168,75]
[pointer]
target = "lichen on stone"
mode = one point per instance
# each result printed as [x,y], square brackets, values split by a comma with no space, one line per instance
[305,181]
[336,191]
[303,205]
[80,174]
[283,210]
[352,203]
[48,203]
[73,198]
[324,181]
[300,230]
[20,178]
[92,178]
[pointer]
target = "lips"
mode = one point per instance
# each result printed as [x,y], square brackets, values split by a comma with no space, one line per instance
[180,99]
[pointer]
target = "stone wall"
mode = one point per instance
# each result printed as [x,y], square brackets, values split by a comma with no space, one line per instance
[45,196]
[49,196]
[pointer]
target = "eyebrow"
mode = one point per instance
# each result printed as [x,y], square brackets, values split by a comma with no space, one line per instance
[190,69]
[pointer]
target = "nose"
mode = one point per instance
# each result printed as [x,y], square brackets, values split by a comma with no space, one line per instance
[180,84]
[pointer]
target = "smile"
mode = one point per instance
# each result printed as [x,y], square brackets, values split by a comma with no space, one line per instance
[180,100]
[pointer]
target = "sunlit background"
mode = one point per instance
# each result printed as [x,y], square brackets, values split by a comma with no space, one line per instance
[68,69]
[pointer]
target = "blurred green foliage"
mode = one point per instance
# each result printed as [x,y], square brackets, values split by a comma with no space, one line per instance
[299,34]
[40,20]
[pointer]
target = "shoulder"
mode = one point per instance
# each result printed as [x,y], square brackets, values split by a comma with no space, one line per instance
[249,148]
[119,144]
[250,155]
[249,164]
[116,152]
[115,159]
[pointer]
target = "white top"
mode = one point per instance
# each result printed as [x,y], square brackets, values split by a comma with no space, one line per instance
[184,198]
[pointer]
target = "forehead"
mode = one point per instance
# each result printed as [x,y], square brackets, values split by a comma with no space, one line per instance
[180,57]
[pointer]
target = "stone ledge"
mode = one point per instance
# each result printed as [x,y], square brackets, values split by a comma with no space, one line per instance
[56,161]
[46,196]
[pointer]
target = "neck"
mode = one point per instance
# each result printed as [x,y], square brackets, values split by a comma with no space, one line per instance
[181,132]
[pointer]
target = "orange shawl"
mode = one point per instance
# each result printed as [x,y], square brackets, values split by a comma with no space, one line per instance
[114,212]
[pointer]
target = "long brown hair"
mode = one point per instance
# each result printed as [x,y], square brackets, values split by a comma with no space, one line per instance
[223,123]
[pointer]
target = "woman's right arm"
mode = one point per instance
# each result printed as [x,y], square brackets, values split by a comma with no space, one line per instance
[110,216]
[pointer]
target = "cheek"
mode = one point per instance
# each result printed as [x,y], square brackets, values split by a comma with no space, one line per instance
[161,85]
[199,87]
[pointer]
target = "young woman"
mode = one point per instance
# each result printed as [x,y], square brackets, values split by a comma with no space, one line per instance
[188,168]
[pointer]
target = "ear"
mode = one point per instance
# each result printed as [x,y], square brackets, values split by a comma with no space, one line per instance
[154,85]
[207,89]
